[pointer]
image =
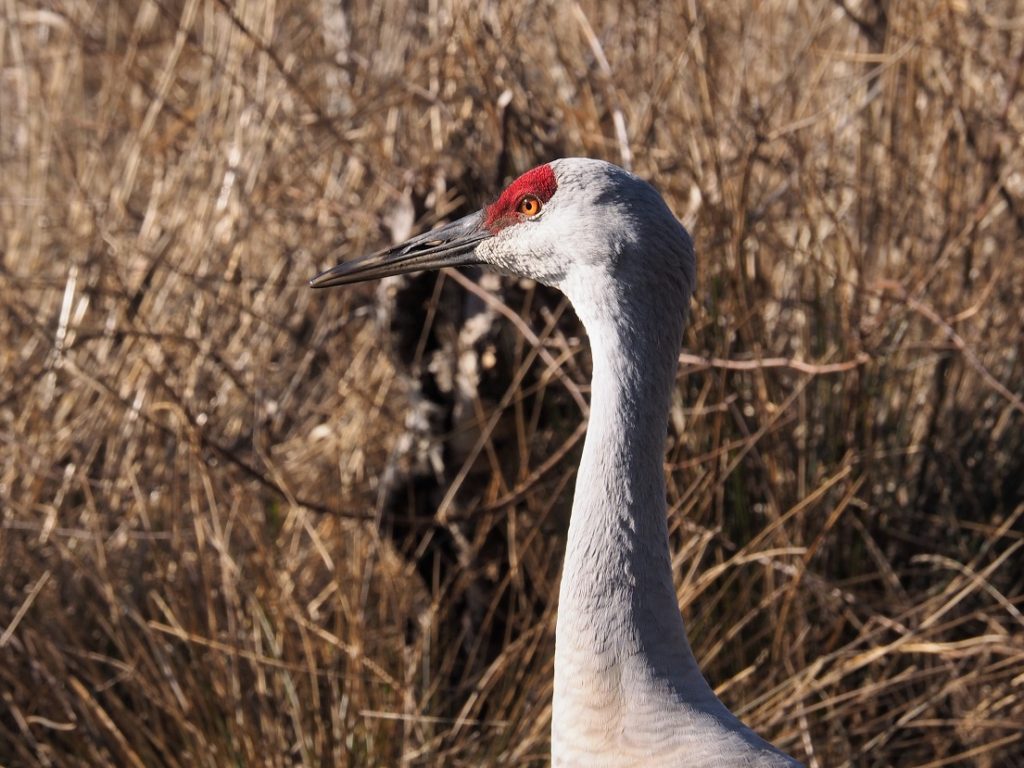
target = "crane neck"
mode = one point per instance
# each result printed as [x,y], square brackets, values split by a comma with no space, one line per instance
[626,681]
[617,555]
[621,476]
[622,659]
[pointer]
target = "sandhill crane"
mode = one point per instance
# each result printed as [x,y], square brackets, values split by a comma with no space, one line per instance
[627,690]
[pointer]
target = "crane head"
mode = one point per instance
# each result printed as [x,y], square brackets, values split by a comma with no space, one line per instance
[569,223]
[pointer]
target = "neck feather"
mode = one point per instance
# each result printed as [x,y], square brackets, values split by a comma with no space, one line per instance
[627,687]
[622,660]
[618,537]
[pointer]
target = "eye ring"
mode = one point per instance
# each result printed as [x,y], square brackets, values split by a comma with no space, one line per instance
[529,206]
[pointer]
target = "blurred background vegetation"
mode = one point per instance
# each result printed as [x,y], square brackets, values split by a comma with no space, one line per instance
[243,523]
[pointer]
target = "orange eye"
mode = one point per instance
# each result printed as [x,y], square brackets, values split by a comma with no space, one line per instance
[529,206]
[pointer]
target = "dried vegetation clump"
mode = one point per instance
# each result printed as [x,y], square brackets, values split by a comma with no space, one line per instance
[245,523]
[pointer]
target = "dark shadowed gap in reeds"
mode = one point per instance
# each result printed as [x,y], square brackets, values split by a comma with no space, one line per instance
[195,564]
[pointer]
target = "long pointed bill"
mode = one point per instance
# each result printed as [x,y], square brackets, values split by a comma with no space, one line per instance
[452,245]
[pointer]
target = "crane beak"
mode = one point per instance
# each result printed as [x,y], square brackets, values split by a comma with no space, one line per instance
[452,245]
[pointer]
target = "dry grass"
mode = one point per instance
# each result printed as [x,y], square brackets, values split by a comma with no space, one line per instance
[198,566]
